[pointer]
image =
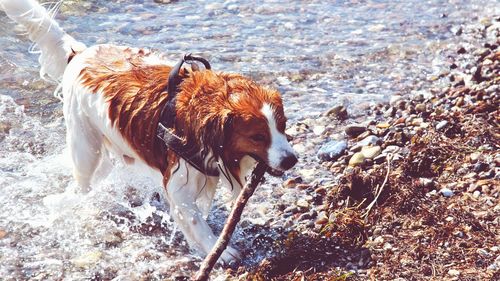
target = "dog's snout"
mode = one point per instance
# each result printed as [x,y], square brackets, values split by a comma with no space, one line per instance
[289,161]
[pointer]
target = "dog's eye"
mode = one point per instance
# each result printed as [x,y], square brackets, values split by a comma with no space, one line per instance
[258,137]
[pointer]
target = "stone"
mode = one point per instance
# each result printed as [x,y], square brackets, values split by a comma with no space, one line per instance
[307,174]
[339,112]
[332,150]
[395,100]
[354,130]
[453,272]
[318,130]
[113,239]
[476,194]
[446,192]
[420,107]
[357,159]
[292,182]
[299,148]
[87,260]
[474,156]
[383,125]
[426,182]
[390,112]
[441,125]
[371,152]
[3,233]
[302,203]
[368,141]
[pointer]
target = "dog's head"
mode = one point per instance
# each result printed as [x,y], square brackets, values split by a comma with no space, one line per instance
[247,122]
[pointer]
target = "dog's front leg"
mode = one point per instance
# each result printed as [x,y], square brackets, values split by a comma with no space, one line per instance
[183,188]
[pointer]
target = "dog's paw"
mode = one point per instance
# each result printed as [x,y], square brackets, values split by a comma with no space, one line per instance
[230,256]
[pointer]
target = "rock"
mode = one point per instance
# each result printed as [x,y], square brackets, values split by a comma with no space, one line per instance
[383,125]
[371,152]
[318,130]
[164,1]
[426,182]
[453,272]
[302,203]
[480,166]
[391,149]
[303,186]
[320,190]
[446,192]
[461,50]
[332,150]
[3,233]
[387,246]
[87,260]
[483,252]
[292,182]
[357,159]
[307,174]
[322,218]
[339,112]
[441,125]
[395,100]
[476,194]
[390,112]
[354,130]
[299,148]
[420,108]
[368,141]
[113,239]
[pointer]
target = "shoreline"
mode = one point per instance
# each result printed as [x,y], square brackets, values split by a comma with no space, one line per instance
[417,182]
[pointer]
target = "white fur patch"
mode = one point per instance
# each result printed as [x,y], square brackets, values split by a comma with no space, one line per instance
[280,147]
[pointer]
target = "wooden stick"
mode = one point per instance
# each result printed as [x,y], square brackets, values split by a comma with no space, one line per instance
[232,220]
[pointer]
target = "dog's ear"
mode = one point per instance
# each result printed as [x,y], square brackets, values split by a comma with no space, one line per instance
[216,132]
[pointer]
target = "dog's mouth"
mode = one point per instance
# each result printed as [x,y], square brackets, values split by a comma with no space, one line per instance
[273,172]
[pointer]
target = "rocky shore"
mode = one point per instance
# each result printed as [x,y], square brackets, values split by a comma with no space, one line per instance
[416,186]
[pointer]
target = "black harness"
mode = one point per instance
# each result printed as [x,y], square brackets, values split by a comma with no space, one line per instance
[166,125]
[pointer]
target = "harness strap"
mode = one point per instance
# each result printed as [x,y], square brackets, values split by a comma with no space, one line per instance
[166,125]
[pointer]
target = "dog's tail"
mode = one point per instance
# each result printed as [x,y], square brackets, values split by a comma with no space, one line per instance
[56,47]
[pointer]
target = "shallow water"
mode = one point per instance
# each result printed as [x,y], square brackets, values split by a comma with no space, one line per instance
[318,53]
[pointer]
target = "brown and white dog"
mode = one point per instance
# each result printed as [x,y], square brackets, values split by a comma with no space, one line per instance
[113,98]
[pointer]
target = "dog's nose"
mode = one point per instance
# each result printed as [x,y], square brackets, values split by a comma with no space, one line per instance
[289,161]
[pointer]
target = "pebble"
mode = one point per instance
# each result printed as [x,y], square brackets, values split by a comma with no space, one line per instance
[299,148]
[354,130]
[446,192]
[302,203]
[3,233]
[391,149]
[475,156]
[292,182]
[395,100]
[332,150]
[420,107]
[476,194]
[320,190]
[371,152]
[383,125]
[425,182]
[357,159]
[318,130]
[339,112]
[441,125]
[87,259]
[453,272]
[368,141]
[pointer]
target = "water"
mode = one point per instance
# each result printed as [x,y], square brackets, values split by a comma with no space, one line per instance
[318,53]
